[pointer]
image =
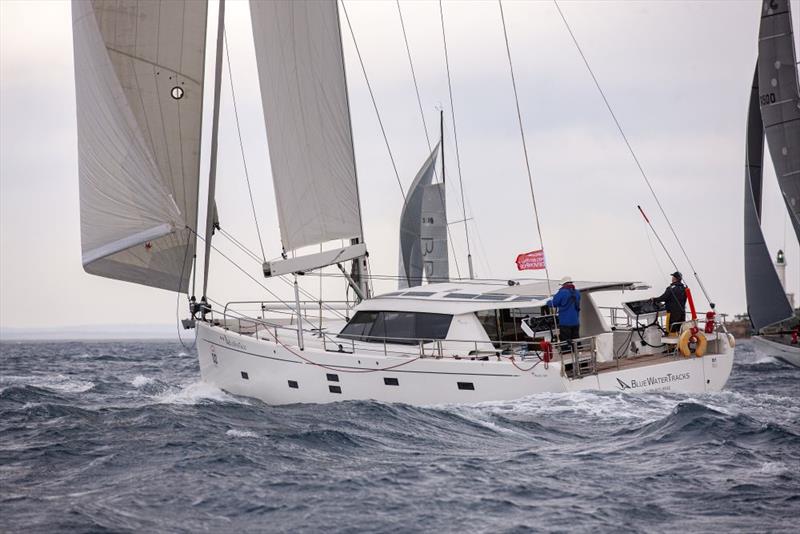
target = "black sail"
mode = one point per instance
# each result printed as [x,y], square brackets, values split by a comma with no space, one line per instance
[779,99]
[766,300]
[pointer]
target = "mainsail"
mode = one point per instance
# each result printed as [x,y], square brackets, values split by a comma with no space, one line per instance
[139,87]
[766,300]
[779,98]
[423,229]
[307,116]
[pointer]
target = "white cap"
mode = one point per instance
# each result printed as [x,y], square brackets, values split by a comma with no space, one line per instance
[566,280]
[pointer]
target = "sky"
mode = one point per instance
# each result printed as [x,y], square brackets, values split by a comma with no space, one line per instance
[677,75]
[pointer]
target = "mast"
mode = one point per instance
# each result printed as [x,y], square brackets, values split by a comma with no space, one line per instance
[455,142]
[359,275]
[211,214]
[441,138]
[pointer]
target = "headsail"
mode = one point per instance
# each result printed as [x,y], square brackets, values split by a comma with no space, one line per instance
[306,111]
[766,300]
[139,87]
[423,230]
[779,98]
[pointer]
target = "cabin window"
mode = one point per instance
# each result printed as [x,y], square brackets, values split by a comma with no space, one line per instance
[404,328]
[360,325]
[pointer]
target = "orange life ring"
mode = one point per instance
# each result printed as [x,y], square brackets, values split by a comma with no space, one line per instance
[687,347]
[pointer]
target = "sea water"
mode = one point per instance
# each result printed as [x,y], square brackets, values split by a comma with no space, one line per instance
[122,436]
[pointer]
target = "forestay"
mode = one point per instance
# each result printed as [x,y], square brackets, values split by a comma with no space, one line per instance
[779,98]
[304,96]
[766,301]
[423,229]
[139,87]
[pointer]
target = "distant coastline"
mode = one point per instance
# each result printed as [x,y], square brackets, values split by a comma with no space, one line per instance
[110,332]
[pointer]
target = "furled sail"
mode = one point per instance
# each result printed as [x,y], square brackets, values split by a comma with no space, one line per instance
[139,88]
[766,300]
[779,98]
[423,230]
[307,116]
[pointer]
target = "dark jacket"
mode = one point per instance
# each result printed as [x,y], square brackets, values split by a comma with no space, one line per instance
[674,299]
[568,301]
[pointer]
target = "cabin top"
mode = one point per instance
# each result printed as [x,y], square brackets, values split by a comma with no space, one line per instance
[467,297]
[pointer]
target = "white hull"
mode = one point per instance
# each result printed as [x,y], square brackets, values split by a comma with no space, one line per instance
[788,353]
[263,369]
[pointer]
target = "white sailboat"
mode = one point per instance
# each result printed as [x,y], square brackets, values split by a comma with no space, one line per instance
[775,113]
[139,73]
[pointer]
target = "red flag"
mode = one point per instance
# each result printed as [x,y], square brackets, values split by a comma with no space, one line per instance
[531,261]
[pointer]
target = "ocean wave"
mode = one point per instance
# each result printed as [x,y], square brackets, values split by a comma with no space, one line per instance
[59,383]
[150,447]
[694,424]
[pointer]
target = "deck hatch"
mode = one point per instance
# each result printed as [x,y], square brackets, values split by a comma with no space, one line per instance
[418,293]
[391,381]
[293,384]
[489,296]
[466,385]
[335,389]
[461,296]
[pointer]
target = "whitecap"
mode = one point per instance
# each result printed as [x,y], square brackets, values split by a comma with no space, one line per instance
[140,380]
[241,434]
[773,468]
[59,383]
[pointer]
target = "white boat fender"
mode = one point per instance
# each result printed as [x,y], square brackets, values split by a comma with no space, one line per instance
[692,343]
[731,340]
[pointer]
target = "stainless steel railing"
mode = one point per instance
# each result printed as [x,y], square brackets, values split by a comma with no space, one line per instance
[401,346]
[580,356]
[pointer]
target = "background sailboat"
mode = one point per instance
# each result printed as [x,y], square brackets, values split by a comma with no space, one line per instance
[775,112]
[423,229]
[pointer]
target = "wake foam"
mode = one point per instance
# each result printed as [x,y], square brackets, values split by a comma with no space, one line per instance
[196,393]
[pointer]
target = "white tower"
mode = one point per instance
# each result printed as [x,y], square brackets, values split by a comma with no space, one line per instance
[780,266]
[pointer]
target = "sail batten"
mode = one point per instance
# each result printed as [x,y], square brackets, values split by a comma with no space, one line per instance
[306,113]
[139,91]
